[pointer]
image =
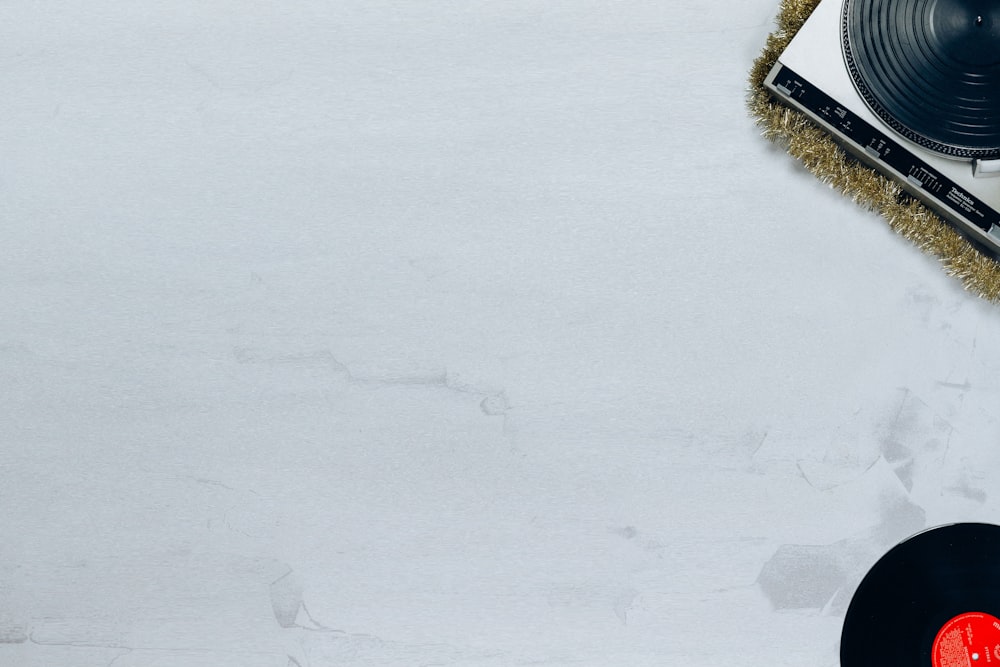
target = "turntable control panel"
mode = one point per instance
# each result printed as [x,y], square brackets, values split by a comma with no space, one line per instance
[879,150]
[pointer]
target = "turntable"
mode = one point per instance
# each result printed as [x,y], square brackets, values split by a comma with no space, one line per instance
[912,89]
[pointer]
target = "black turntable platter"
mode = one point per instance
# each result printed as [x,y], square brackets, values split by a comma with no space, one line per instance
[930,69]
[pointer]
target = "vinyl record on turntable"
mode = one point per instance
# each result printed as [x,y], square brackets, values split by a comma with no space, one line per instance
[933,600]
[930,69]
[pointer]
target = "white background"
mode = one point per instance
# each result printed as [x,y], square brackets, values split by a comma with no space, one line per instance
[448,333]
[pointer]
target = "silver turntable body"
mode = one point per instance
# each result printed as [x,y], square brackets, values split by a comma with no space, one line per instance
[812,76]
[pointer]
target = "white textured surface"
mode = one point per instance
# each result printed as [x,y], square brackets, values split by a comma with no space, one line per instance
[436,333]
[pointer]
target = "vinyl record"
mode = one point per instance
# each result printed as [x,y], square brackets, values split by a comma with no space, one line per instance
[930,69]
[931,601]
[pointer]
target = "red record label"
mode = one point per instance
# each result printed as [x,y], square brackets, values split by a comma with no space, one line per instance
[968,640]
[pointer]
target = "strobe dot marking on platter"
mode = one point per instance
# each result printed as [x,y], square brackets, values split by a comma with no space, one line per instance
[931,601]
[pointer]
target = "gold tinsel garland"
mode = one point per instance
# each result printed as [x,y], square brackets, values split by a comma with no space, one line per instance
[805,141]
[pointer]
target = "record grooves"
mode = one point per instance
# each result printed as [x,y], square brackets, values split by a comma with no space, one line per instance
[932,601]
[930,69]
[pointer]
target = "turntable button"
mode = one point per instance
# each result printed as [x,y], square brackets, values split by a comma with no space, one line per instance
[913,180]
[981,168]
[874,153]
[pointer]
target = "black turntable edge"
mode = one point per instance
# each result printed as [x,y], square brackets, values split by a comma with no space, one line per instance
[978,222]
